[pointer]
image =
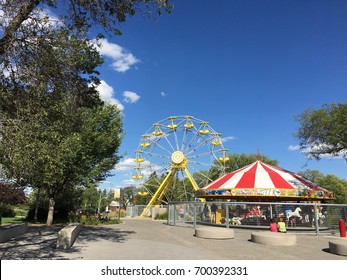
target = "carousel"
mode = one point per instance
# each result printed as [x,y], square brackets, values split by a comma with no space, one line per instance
[266,188]
[260,181]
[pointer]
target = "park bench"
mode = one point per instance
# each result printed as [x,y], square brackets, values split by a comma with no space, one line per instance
[68,235]
[273,238]
[10,231]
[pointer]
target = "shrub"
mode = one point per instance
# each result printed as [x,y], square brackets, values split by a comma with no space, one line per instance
[7,210]
[161,216]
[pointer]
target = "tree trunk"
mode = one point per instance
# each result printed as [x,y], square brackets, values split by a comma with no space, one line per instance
[50,212]
[37,203]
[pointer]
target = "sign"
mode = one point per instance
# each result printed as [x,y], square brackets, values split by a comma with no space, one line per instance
[117,193]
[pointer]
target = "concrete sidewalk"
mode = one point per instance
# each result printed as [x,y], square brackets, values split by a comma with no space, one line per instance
[143,239]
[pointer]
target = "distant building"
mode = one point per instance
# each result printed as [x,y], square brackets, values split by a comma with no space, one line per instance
[113,206]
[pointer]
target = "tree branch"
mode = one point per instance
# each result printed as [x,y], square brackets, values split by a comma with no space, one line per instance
[24,11]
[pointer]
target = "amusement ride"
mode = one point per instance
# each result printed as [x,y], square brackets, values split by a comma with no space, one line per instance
[177,156]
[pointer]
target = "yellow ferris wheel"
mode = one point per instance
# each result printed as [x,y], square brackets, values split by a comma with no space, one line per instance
[177,155]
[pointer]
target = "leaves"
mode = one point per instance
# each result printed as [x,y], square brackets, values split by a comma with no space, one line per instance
[56,132]
[75,14]
[323,131]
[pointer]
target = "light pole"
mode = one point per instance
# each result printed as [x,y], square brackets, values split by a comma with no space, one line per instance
[100,199]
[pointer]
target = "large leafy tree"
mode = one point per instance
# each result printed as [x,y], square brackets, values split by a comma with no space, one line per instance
[47,103]
[78,15]
[56,132]
[323,132]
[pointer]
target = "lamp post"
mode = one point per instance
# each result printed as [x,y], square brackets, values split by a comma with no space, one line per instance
[100,199]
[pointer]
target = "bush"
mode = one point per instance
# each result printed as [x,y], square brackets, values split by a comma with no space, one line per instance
[7,210]
[161,216]
[85,218]
[21,211]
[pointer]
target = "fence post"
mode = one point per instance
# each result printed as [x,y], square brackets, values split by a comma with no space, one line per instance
[316,219]
[342,228]
[227,215]
[174,214]
[271,215]
[194,215]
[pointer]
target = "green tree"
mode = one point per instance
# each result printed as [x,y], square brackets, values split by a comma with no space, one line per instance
[330,182]
[323,131]
[238,161]
[77,15]
[89,198]
[56,132]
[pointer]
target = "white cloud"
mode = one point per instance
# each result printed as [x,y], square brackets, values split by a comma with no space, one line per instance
[122,58]
[294,147]
[227,139]
[130,97]
[125,165]
[319,149]
[106,94]
[163,94]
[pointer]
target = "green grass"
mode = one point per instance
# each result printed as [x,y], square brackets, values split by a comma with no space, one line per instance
[12,220]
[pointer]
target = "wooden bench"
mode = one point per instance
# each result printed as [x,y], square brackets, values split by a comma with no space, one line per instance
[338,246]
[273,238]
[214,232]
[10,231]
[68,235]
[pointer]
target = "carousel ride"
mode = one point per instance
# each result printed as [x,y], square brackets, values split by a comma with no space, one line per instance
[176,157]
[261,181]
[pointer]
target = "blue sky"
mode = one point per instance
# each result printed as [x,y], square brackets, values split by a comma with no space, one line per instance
[246,67]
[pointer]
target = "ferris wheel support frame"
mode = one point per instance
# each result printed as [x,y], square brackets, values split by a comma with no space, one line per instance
[160,192]
[157,197]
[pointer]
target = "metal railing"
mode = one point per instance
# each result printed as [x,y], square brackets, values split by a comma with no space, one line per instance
[152,211]
[314,217]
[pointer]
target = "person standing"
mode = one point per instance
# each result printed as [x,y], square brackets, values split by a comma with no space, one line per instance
[214,209]
[206,214]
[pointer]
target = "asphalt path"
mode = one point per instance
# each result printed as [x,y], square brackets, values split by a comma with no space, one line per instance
[146,239]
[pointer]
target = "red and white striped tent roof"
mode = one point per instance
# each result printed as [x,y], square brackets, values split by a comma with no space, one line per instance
[262,179]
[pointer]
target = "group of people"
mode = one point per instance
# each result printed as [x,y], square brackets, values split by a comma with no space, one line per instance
[279,226]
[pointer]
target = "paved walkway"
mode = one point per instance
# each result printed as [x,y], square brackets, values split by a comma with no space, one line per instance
[143,239]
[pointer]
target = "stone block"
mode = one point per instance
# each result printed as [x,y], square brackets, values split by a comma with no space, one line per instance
[273,238]
[214,233]
[68,235]
[10,231]
[338,246]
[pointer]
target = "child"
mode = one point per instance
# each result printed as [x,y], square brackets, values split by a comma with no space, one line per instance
[273,225]
[281,226]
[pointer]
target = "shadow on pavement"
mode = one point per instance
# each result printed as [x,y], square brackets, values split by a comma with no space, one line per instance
[39,243]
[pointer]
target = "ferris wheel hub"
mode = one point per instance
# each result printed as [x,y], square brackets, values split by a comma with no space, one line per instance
[177,157]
